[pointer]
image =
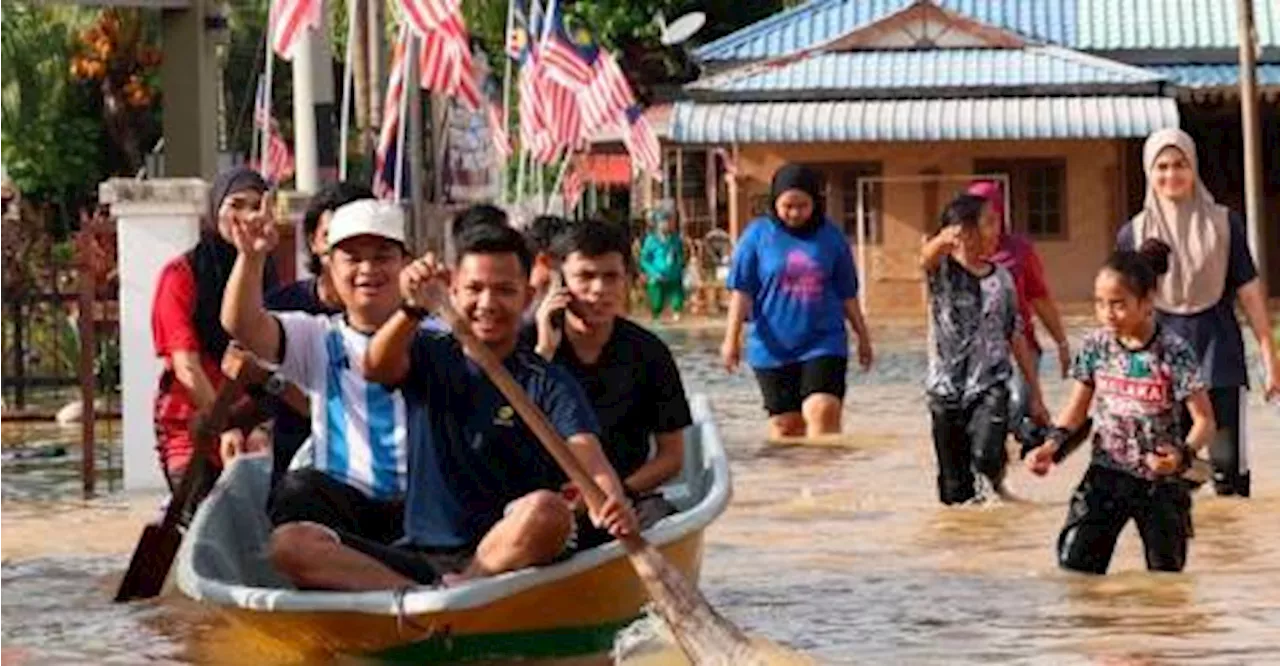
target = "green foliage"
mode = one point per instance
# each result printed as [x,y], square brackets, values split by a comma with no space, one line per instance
[51,132]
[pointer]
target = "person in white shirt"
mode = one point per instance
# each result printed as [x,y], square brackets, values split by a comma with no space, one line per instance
[356,482]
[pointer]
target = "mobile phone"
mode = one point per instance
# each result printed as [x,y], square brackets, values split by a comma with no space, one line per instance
[557,283]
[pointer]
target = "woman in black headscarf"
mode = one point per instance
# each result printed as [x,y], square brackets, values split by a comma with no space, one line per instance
[793,273]
[184,321]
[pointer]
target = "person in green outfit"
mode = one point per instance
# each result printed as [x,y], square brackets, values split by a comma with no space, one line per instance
[662,264]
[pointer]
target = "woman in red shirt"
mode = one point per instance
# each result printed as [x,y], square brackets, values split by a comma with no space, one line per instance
[185,324]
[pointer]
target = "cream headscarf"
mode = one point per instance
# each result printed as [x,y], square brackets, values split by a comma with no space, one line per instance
[1196,229]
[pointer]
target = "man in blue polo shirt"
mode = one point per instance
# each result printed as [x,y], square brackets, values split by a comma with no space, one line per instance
[483,492]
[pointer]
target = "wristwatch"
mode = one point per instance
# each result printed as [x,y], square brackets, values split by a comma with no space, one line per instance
[275,384]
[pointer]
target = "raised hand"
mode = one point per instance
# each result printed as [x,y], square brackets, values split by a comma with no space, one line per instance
[256,234]
[424,283]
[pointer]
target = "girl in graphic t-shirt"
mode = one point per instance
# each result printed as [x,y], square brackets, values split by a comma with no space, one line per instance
[1139,376]
[793,275]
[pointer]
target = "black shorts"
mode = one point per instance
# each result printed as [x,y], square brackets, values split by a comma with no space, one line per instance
[427,565]
[309,495]
[785,388]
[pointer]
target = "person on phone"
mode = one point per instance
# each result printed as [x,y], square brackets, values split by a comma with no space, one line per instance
[628,373]
[793,277]
[355,482]
[484,494]
[187,332]
[975,338]
[540,235]
[1210,270]
[1139,376]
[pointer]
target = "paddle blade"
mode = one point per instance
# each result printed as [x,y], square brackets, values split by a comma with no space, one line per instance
[703,635]
[150,563]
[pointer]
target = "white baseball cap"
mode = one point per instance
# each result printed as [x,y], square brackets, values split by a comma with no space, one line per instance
[366,217]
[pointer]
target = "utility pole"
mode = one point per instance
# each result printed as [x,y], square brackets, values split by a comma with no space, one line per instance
[1252,136]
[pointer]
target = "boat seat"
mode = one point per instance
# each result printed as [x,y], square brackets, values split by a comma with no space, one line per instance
[243,521]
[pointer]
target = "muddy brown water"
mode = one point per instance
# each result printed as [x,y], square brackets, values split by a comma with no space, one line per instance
[839,551]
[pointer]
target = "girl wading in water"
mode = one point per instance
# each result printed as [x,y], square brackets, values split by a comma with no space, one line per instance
[1146,384]
[793,275]
[1210,269]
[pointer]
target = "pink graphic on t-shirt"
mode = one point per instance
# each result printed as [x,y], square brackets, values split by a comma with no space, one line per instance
[802,277]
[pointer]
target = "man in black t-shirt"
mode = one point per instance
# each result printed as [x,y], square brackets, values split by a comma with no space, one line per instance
[628,373]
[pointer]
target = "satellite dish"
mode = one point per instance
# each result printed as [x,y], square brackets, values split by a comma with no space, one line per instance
[680,29]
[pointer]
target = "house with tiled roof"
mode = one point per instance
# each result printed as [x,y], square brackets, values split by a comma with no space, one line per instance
[901,102]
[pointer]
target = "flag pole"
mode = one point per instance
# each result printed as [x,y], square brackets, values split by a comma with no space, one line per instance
[407,41]
[348,79]
[564,166]
[253,122]
[266,88]
[506,99]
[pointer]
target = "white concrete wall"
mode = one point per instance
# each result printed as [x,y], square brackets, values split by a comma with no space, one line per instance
[156,221]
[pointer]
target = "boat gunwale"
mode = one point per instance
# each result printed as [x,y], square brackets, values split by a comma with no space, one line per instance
[474,594]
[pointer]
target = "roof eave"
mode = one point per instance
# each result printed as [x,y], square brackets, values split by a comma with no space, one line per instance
[1154,88]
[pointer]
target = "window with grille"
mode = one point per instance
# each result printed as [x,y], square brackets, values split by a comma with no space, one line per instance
[1037,194]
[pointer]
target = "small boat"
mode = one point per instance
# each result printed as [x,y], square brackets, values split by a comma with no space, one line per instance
[571,608]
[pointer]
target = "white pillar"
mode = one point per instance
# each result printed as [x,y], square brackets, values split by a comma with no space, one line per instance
[156,220]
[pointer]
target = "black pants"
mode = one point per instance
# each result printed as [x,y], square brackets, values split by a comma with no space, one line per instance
[1105,501]
[312,496]
[969,437]
[1228,449]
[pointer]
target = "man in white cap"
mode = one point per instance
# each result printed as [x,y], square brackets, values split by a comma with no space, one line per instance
[356,484]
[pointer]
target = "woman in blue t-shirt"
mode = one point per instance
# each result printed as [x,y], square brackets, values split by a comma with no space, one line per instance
[793,274]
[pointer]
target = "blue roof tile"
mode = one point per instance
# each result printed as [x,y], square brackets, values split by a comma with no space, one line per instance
[1216,76]
[937,68]
[1102,25]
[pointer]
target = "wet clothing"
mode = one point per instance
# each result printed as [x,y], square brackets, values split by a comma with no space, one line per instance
[1138,405]
[634,388]
[1218,341]
[967,438]
[471,455]
[1018,256]
[1214,333]
[1105,501]
[972,319]
[798,285]
[1138,396]
[313,496]
[785,388]
[359,428]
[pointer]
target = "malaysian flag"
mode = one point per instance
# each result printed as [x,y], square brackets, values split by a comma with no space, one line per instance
[641,142]
[385,157]
[279,165]
[569,53]
[606,95]
[574,186]
[288,19]
[445,59]
[525,30]
[535,118]
[498,130]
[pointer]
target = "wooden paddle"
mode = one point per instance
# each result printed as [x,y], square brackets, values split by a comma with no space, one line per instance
[153,556]
[702,634]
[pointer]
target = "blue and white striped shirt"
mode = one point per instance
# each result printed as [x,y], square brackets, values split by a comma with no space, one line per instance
[358,428]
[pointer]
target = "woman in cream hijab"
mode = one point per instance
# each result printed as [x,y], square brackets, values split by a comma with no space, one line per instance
[1210,268]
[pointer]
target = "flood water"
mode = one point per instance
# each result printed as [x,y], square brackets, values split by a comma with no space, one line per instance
[838,551]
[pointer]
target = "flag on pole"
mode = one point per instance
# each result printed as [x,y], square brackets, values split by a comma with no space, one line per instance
[641,142]
[606,95]
[498,130]
[526,28]
[445,62]
[278,166]
[289,18]
[387,152]
[569,53]
[574,186]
